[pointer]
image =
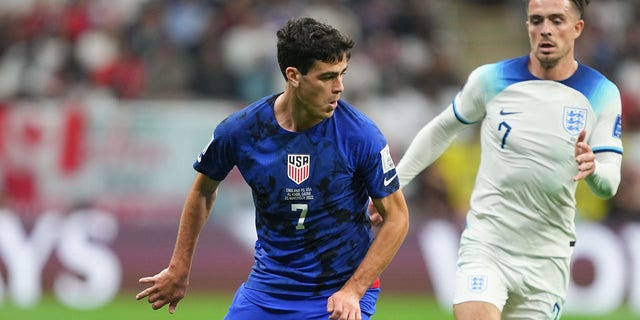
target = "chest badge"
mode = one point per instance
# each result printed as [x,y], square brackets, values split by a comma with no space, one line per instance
[574,120]
[298,167]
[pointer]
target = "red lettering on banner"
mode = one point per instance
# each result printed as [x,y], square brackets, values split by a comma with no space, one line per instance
[72,151]
[4,110]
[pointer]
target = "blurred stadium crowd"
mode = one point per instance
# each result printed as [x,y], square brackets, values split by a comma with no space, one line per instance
[405,63]
[200,48]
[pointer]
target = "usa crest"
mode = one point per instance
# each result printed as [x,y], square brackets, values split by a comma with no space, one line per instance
[574,120]
[298,167]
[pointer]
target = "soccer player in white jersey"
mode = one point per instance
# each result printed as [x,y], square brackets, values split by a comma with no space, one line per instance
[547,121]
[312,161]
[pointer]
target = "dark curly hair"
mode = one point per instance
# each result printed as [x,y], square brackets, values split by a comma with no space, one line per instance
[303,41]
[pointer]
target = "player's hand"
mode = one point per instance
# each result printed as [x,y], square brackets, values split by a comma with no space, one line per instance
[344,306]
[165,288]
[374,215]
[584,157]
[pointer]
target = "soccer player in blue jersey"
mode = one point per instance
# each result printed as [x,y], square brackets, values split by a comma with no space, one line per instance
[547,121]
[312,162]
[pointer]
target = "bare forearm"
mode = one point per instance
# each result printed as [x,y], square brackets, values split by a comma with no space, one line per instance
[383,249]
[386,244]
[170,285]
[195,213]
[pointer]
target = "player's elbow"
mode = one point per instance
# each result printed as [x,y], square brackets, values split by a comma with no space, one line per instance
[399,222]
[403,223]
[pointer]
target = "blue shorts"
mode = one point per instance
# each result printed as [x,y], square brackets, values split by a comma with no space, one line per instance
[249,304]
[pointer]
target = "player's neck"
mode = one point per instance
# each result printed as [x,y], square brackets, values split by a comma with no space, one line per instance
[562,70]
[288,116]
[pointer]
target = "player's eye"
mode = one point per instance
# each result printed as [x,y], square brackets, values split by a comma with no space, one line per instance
[535,20]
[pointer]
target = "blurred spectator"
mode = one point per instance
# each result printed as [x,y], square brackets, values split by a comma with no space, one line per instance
[185,21]
[75,19]
[211,76]
[247,49]
[95,49]
[196,47]
[124,73]
[145,33]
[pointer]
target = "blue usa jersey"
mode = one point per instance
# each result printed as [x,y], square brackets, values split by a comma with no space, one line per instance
[310,191]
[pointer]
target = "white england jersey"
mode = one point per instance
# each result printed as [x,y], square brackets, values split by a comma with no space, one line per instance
[524,195]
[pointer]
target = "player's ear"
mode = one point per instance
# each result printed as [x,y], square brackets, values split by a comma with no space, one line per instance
[293,76]
[578,28]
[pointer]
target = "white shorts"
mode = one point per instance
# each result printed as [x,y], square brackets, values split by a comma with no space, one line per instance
[520,286]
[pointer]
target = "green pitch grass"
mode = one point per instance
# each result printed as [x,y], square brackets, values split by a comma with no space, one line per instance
[214,306]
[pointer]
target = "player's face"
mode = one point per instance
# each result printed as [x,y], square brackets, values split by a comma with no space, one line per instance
[320,89]
[553,27]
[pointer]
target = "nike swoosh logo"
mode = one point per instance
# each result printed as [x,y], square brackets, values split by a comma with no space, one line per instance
[387,182]
[506,113]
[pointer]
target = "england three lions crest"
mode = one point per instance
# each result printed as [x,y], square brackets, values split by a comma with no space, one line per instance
[478,283]
[298,167]
[574,120]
